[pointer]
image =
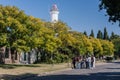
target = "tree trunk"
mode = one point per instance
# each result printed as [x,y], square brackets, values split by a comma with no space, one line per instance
[2,60]
[2,55]
[12,55]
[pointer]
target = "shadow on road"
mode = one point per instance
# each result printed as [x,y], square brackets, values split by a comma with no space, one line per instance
[12,66]
[117,62]
[19,77]
[92,76]
[113,68]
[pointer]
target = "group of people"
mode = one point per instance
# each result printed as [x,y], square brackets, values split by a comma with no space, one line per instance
[81,62]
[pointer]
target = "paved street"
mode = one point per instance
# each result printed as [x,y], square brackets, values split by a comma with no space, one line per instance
[109,71]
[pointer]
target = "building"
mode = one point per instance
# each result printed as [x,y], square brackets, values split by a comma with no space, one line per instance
[7,56]
[54,12]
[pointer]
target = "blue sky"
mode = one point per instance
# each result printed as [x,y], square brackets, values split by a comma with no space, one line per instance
[80,15]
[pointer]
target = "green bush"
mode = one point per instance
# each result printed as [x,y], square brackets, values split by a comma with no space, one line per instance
[58,58]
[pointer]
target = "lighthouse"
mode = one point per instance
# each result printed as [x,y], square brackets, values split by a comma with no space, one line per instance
[54,13]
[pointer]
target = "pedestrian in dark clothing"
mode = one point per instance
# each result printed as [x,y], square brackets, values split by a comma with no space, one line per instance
[74,62]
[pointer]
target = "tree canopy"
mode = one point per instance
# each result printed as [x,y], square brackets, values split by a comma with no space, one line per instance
[112,8]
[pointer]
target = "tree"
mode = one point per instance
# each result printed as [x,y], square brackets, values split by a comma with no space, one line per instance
[85,33]
[12,28]
[92,33]
[105,36]
[112,8]
[97,47]
[99,35]
[114,36]
[83,44]
[19,31]
[62,33]
[108,48]
[116,43]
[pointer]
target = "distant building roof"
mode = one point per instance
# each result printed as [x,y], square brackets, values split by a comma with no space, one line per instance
[54,8]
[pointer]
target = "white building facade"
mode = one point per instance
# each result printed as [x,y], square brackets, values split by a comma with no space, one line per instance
[54,12]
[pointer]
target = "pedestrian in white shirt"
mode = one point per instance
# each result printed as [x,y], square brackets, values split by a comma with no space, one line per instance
[89,62]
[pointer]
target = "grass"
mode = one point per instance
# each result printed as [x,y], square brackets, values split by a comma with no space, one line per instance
[18,69]
[12,66]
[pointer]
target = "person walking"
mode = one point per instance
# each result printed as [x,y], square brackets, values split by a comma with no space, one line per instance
[79,62]
[83,62]
[92,62]
[73,62]
[89,62]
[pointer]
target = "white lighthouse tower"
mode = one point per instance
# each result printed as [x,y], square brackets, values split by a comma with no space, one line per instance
[54,13]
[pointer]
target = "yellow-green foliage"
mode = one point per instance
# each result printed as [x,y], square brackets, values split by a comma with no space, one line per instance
[97,47]
[108,47]
[27,32]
